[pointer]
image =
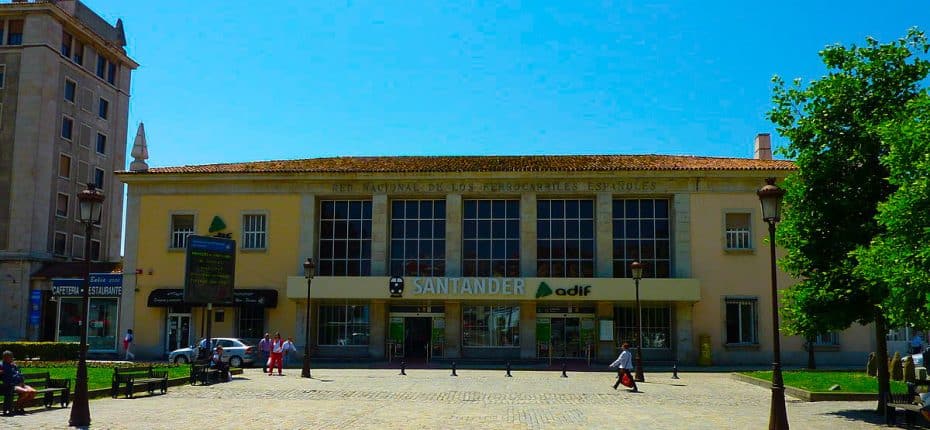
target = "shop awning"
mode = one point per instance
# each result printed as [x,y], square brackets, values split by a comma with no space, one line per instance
[163,297]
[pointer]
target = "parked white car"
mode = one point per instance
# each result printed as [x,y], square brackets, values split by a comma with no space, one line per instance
[235,352]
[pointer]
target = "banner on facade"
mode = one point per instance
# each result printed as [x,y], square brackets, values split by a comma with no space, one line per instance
[210,272]
[101,285]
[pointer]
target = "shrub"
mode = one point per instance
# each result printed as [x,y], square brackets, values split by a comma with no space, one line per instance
[897,372]
[51,351]
[871,368]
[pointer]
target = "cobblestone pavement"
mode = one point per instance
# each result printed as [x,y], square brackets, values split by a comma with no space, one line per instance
[476,399]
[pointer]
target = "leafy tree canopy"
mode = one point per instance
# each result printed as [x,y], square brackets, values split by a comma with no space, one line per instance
[831,201]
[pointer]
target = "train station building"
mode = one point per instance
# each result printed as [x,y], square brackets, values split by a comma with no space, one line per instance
[472,257]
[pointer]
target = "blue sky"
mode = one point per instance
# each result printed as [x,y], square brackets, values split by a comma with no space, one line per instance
[253,80]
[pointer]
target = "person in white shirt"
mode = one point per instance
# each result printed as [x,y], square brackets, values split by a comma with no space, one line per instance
[624,365]
[288,348]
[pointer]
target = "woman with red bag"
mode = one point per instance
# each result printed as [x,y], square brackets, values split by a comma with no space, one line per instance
[624,365]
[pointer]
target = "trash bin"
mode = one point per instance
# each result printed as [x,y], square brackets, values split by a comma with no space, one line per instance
[704,357]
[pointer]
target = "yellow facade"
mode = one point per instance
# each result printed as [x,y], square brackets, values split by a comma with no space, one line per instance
[704,273]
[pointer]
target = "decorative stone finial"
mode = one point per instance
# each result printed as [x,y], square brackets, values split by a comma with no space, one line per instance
[140,151]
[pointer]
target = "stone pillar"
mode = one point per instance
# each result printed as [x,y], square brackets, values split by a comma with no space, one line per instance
[604,235]
[606,350]
[378,337]
[684,333]
[682,236]
[453,329]
[527,330]
[528,238]
[453,238]
[306,245]
[379,235]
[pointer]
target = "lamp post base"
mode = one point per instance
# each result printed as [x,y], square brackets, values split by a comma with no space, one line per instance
[778,416]
[640,375]
[305,373]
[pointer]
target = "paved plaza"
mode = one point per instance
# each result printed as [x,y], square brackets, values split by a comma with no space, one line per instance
[476,399]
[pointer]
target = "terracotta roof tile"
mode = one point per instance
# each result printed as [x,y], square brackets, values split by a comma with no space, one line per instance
[443,164]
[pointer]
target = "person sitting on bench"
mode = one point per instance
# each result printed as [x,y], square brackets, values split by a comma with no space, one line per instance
[14,378]
[217,363]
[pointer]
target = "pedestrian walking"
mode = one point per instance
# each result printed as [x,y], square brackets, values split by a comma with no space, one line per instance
[277,352]
[288,349]
[265,347]
[625,365]
[127,345]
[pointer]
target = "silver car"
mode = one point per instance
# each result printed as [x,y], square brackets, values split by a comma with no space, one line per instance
[235,352]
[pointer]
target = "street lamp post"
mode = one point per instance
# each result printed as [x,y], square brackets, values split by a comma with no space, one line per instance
[309,267]
[637,269]
[91,206]
[770,195]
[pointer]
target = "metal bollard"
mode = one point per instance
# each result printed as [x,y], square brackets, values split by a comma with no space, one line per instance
[508,370]
[675,371]
[453,369]
[403,368]
[564,375]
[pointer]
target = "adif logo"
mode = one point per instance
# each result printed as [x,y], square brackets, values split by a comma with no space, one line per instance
[543,290]
[578,290]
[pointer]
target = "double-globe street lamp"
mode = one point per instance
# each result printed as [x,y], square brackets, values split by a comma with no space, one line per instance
[309,268]
[770,196]
[91,206]
[637,270]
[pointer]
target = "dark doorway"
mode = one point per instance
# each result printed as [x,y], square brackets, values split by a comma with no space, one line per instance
[416,336]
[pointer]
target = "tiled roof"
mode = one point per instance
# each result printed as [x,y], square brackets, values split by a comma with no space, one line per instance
[443,164]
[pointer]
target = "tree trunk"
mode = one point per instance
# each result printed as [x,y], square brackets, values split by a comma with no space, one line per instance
[884,386]
[811,363]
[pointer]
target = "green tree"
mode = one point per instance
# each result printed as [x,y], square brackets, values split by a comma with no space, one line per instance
[831,201]
[900,256]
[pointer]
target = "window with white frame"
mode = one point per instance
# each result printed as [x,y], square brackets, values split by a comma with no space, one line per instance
[418,238]
[64,166]
[344,325]
[70,90]
[738,230]
[61,243]
[830,338]
[94,250]
[254,231]
[103,108]
[641,233]
[61,205]
[67,128]
[345,238]
[182,225]
[101,143]
[565,238]
[491,238]
[741,321]
[656,323]
[99,174]
[77,247]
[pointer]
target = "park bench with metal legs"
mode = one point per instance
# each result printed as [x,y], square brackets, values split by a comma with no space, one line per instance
[46,388]
[131,378]
[909,402]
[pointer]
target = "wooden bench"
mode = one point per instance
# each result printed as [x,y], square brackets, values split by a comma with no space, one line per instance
[46,387]
[907,402]
[141,376]
[203,374]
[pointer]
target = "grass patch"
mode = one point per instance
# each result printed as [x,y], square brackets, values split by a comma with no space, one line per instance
[98,376]
[821,381]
